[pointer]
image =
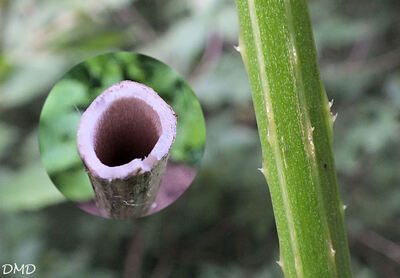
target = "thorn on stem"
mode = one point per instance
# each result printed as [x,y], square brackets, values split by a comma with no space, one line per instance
[331,103]
[334,117]
[311,140]
[331,250]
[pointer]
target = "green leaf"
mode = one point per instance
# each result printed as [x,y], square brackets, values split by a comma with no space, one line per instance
[74,184]
[62,97]
[225,83]
[8,135]
[28,189]
[60,157]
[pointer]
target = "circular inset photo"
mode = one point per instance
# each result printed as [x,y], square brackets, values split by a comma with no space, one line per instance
[122,135]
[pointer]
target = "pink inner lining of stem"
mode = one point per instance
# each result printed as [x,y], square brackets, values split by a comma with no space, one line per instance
[129,129]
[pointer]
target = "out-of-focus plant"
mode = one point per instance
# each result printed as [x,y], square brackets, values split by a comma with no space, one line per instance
[223,225]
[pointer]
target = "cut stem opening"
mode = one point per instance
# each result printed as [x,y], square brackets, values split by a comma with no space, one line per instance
[124,140]
[127,130]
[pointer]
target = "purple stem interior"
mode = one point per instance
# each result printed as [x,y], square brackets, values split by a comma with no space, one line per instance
[127,130]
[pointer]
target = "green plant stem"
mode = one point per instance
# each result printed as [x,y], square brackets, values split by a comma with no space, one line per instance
[295,126]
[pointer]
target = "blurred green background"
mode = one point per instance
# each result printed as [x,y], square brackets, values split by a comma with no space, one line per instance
[73,94]
[223,225]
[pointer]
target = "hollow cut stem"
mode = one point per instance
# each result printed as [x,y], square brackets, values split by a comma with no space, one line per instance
[124,139]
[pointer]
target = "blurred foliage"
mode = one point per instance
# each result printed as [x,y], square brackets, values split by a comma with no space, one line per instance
[223,225]
[73,94]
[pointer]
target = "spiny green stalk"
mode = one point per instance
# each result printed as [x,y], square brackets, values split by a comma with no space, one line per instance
[295,127]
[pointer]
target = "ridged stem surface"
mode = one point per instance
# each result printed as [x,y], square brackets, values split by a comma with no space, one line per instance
[295,127]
